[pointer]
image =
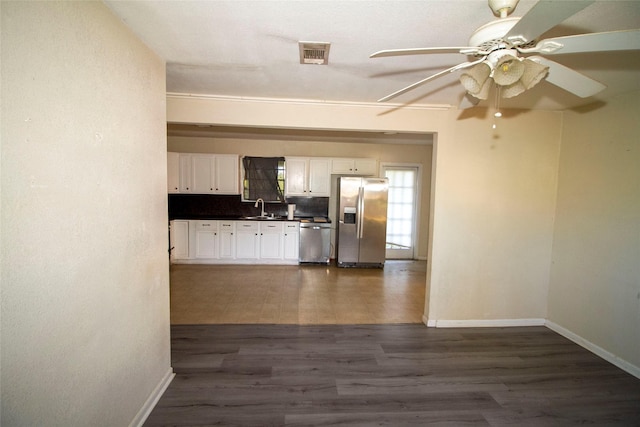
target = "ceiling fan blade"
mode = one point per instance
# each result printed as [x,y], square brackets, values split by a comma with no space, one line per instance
[594,42]
[423,81]
[568,79]
[545,15]
[424,50]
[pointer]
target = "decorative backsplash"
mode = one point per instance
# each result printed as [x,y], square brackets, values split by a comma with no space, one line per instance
[195,206]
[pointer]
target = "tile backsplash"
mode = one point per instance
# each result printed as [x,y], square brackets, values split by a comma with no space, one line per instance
[195,206]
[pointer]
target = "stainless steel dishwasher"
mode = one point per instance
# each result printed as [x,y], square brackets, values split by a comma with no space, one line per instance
[315,242]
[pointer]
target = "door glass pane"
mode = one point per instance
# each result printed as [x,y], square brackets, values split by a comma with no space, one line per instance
[401,212]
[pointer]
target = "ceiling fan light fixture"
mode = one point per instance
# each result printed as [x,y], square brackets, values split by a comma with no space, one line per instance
[508,70]
[512,90]
[475,78]
[533,73]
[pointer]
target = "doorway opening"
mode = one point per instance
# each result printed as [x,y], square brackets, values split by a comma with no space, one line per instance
[401,211]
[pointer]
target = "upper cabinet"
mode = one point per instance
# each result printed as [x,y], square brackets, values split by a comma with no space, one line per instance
[203,173]
[173,172]
[308,176]
[354,167]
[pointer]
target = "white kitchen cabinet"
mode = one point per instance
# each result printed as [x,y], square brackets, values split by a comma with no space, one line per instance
[203,173]
[271,238]
[308,176]
[227,174]
[206,239]
[214,174]
[247,239]
[185,173]
[227,240]
[173,172]
[291,241]
[234,242]
[179,242]
[354,166]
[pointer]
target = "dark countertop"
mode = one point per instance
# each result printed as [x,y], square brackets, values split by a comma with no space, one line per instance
[253,218]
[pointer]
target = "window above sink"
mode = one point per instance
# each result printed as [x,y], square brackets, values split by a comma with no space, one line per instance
[263,178]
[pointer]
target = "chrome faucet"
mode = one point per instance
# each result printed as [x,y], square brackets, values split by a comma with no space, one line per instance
[262,212]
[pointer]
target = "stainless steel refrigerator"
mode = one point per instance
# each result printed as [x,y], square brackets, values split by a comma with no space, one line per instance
[362,221]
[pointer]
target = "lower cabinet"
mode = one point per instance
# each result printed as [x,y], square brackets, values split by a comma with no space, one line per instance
[247,240]
[179,240]
[206,239]
[291,241]
[271,240]
[234,242]
[227,240]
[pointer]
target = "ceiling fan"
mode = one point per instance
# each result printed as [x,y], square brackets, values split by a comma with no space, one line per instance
[506,53]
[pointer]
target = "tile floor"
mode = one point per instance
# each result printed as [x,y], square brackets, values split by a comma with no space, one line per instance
[309,294]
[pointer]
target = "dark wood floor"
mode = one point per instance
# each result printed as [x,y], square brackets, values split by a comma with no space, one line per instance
[390,375]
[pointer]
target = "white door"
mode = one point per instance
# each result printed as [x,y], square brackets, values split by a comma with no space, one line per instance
[401,211]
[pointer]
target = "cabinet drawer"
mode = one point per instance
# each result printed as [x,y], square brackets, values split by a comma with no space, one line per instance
[271,226]
[227,225]
[206,225]
[292,227]
[247,226]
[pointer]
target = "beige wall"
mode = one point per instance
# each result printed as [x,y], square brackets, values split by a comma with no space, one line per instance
[494,206]
[397,153]
[595,275]
[85,305]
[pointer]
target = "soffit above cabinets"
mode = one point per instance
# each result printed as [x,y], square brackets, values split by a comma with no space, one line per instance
[310,135]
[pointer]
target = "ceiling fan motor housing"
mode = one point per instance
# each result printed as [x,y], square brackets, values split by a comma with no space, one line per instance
[490,36]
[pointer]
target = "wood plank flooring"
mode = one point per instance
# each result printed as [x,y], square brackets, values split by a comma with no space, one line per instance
[389,375]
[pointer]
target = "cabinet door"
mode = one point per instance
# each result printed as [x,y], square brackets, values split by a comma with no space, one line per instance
[227,180]
[366,167]
[179,239]
[296,176]
[271,240]
[319,177]
[185,173]
[247,240]
[206,235]
[202,172]
[342,166]
[173,172]
[291,240]
[227,240]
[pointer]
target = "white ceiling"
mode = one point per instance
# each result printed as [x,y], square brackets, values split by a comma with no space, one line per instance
[250,48]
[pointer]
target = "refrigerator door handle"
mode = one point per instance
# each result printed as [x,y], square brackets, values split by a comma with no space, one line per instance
[360,215]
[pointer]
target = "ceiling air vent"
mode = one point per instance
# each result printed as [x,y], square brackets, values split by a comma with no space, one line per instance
[314,52]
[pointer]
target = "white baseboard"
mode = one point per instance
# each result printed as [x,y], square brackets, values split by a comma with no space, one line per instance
[609,357]
[151,402]
[483,323]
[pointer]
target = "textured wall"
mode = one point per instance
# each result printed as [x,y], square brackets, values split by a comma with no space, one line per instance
[495,194]
[85,306]
[595,275]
